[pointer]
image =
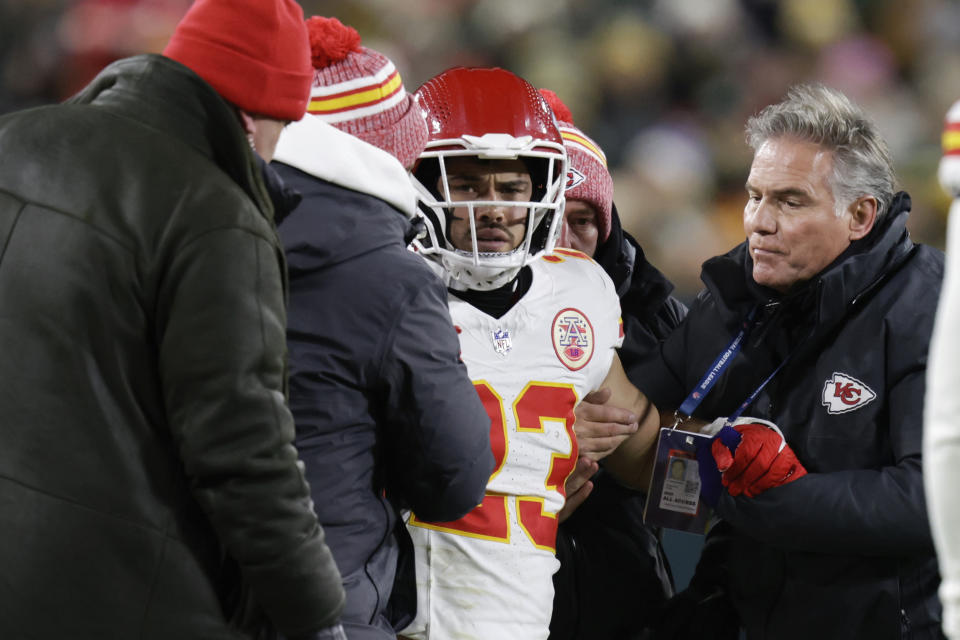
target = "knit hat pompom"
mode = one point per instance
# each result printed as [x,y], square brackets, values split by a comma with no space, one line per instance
[331,41]
[560,110]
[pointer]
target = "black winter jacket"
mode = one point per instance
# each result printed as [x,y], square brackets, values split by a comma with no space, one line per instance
[613,570]
[386,415]
[845,551]
[148,480]
[649,312]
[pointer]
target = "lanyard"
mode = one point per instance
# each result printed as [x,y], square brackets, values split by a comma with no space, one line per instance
[753,396]
[700,391]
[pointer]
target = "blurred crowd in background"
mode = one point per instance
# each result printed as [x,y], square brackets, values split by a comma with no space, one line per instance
[664,86]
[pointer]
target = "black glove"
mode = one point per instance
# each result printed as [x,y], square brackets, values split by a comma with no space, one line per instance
[690,615]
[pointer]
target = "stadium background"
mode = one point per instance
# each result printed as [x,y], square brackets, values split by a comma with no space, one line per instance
[664,86]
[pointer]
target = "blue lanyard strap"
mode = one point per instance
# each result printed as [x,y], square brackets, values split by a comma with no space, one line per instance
[718,367]
[753,396]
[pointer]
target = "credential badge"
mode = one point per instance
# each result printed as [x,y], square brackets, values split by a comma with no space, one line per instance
[843,393]
[572,338]
[502,342]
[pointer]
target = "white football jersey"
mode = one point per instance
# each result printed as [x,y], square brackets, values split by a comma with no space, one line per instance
[490,574]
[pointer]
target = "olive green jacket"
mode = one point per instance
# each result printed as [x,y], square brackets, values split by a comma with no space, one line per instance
[148,484]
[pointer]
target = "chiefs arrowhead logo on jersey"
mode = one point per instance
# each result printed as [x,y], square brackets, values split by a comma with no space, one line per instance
[842,393]
[574,178]
[572,337]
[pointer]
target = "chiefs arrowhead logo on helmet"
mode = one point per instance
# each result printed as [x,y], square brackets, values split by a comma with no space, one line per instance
[843,393]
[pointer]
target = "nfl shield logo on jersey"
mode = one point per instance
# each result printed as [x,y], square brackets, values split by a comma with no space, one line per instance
[843,393]
[572,338]
[502,342]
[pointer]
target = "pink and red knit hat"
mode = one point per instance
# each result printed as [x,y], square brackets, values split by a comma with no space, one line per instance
[359,91]
[588,178]
[254,53]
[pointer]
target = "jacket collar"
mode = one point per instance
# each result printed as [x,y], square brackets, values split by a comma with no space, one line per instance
[167,96]
[850,278]
[624,261]
[284,199]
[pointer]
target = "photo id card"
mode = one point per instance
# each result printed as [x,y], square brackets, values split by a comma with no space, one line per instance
[674,499]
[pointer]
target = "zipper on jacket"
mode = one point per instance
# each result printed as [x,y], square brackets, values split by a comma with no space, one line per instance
[904,625]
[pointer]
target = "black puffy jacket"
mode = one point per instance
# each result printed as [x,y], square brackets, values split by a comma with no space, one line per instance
[845,551]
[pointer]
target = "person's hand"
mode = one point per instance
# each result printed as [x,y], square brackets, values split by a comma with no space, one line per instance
[760,460]
[600,428]
[746,458]
[578,487]
[711,482]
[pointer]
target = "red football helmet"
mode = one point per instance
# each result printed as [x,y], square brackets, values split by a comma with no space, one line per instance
[490,114]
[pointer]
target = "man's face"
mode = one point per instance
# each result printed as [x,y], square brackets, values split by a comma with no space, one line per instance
[580,230]
[265,136]
[501,227]
[677,470]
[790,219]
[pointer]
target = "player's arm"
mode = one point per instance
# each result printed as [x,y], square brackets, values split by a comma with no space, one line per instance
[632,460]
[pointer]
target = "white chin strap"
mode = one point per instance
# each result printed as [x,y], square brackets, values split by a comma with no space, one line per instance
[464,275]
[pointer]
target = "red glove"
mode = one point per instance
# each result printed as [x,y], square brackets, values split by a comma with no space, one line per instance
[761,461]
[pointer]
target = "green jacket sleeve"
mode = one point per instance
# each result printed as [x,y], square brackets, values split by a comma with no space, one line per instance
[221,333]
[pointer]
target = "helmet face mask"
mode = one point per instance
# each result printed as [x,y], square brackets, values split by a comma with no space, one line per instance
[516,126]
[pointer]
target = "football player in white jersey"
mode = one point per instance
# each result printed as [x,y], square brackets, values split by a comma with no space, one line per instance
[539,328]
